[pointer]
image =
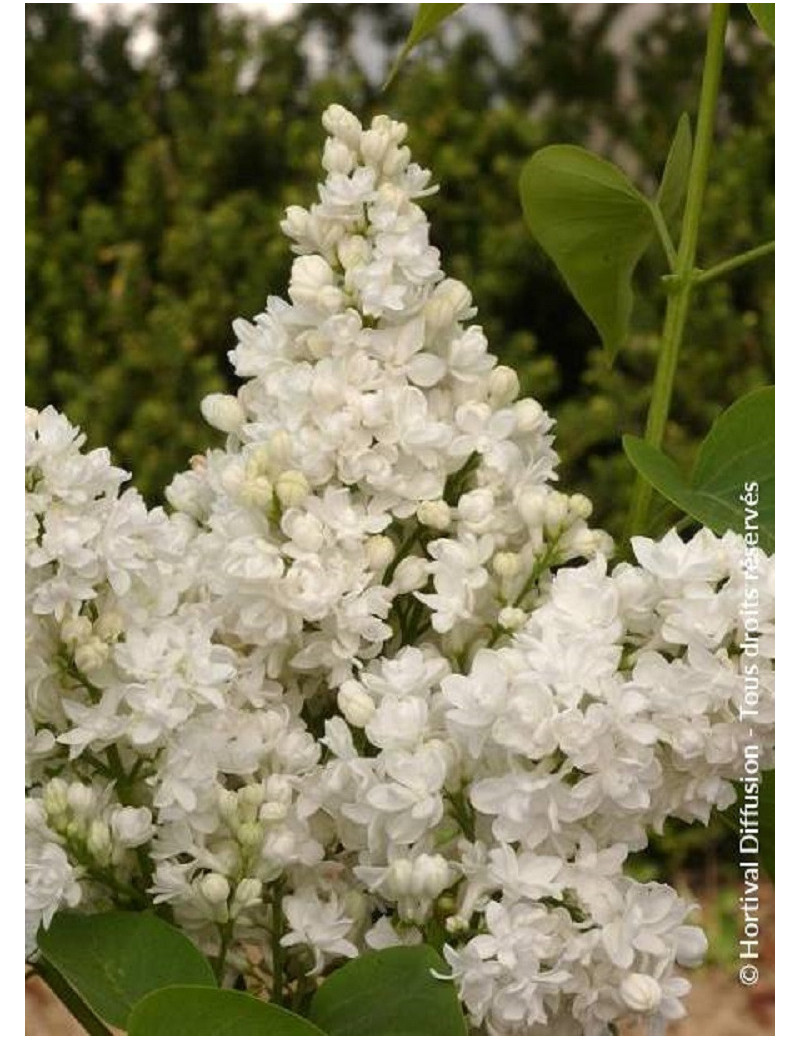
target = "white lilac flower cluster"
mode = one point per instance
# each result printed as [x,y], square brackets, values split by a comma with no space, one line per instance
[372,681]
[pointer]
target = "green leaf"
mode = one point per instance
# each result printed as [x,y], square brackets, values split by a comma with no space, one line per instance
[764,15]
[114,959]
[198,1011]
[740,449]
[672,190]
[390,992]
[594,225]
[426,21]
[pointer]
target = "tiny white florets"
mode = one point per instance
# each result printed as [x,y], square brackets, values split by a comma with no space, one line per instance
[351,675]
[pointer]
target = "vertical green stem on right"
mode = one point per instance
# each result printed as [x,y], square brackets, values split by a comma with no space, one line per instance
[683,277]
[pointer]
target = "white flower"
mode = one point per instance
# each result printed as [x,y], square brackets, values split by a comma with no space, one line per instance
[640,992]
[319,924]
[131,827]
[50,883]
[223,411]
[363,667]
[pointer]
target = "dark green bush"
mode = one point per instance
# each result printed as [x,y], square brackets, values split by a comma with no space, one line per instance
[155,188]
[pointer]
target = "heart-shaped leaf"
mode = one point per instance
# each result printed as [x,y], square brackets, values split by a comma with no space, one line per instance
[390,992]
[764,15]
[594,224]
[114,959]
[426,21]
[672,190]
[739,451]
[197,1011]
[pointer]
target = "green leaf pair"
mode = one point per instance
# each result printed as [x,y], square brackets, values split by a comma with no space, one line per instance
[595,225]
[138,973]
[739,451]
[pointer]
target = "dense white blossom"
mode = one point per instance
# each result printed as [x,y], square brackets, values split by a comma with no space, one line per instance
[347,695]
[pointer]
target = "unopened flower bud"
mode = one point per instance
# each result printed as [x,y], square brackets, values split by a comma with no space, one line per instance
[355,703]
[411,574]
[54,797]
[531,506]
[91,655]
[476,506]
[434,514]
[506,565]
[692,946]
[295,224]
[304,530]
[233,478]
[227,856]
[354,251]
[75,830]
[250,835]
[640,992]
[98,841]
[355,905]
[277,452]
[228,805]
[342,124]
[215,888]
[310,276]
[280,846]
[250,798]
[278,789]
[580,506]
[186,495]
[555,512]
[81,799]
[399,877]
[396,160]
[337,157]
[248,894]
[131,826]
[503,386]
[511,618]
[256,492]
[292,488]
[431,875]
[272,812]
[374,144]
[450,301]
[109,626]
[223,412]
[395,131]
[76,630]
[588,543]
[528,414]
[380,552]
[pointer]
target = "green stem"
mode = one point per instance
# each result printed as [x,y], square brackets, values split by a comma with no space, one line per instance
[72,1001]
[400,555]
[684,270]
[225,935]
[277,949]
[735,261]
[664,236]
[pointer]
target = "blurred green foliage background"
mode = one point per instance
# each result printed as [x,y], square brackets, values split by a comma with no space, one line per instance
[155,185]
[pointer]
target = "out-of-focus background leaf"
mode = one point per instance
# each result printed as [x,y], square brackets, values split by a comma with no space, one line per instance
[163,149]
